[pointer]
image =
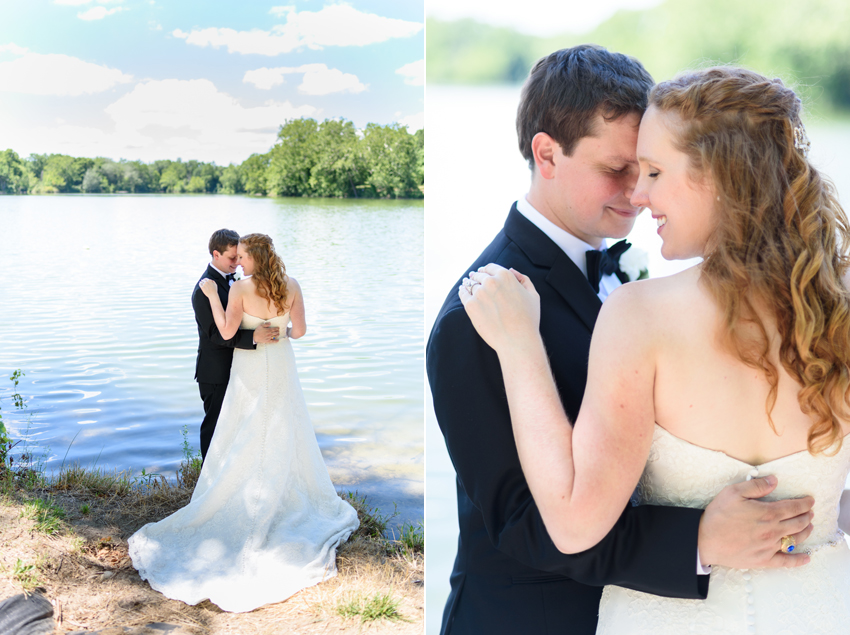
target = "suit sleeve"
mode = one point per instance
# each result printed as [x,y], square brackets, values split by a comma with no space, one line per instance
[244,338]
[651,548]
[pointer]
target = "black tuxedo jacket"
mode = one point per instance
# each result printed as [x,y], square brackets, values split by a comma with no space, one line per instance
[508,576]
[215,354]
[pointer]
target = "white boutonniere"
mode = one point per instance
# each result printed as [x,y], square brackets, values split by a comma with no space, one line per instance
[237,275]
[635,264]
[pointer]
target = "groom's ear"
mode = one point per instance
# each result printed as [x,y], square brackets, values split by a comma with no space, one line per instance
[544,148]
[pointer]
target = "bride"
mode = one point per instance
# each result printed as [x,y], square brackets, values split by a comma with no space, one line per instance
[732,369]
[264,521]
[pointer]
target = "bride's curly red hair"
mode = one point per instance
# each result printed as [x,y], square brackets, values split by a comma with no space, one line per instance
[779,252]
[269,270]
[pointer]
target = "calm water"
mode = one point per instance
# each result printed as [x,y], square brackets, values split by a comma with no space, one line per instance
[467,205]
[96,311]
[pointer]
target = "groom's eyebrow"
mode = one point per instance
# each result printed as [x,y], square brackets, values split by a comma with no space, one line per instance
[618,158]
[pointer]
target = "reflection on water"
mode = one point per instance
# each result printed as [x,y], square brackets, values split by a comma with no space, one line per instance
[467,206]
[96,311]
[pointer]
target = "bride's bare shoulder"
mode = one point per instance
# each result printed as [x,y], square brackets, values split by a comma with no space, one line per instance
[659,293]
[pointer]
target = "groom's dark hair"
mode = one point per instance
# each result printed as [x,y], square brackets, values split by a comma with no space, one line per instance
[566,89]
[222,240]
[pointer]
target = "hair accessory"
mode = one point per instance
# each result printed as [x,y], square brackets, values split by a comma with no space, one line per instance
[801,140]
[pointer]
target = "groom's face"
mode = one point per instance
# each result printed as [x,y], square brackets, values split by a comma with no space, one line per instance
[226,261]
[593,185]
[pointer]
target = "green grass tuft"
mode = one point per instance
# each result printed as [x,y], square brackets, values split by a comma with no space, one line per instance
[26,574]
[379,607]
[412,537]
[48,517]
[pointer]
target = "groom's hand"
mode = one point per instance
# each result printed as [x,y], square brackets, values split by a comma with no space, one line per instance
[740,531]
[266,334]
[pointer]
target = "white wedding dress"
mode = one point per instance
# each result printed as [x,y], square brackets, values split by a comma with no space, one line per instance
[814,598]
[264,521]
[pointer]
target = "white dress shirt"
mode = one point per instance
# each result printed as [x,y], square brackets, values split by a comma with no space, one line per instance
[224,275]
[576,249]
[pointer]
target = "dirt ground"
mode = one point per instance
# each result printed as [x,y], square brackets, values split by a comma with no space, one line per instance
[84,570]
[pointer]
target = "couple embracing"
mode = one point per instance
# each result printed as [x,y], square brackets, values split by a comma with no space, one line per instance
[688,456]
[264,520]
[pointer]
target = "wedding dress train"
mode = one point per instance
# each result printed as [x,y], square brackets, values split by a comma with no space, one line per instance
[814,598]
[264,521]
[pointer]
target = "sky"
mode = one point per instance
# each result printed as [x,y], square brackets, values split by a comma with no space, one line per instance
[208,80]
[536,17]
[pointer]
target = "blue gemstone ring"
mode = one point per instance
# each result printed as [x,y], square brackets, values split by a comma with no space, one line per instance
[788,544]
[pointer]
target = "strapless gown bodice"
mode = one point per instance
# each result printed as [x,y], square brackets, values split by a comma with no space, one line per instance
[814,598]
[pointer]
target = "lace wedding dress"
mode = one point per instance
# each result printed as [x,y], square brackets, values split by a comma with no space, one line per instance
[264,521]
[814,598]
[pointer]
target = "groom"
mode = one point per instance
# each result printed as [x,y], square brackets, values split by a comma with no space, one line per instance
[215,354]
[577,125]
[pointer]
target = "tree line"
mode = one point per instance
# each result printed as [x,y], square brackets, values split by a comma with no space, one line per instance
[329,159]
[805,43]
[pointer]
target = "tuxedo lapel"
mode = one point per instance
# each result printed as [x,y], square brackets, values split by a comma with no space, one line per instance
[564,276]
[223,286]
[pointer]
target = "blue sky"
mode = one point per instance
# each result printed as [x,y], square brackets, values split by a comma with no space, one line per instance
[162,79]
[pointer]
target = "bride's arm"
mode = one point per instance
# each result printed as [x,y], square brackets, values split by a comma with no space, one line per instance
[297,316]
[581,480]
[226,322]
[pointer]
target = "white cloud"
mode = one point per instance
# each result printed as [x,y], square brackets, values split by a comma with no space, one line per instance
[318,79]
[333,25]
[98,13]
[195,119]
[266,78]
[55,74]
[282,11]
[414,73]
[321,80]
[165,119]
[413,122]
[13,48]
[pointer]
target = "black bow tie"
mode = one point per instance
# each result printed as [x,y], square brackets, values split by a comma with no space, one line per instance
[230,277]
[605,262]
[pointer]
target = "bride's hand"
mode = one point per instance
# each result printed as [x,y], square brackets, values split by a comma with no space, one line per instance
[209,287]
[503,306]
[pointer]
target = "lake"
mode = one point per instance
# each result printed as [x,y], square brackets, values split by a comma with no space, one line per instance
[96,311]
[474,173]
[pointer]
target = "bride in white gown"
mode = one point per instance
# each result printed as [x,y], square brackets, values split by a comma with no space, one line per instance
[264,521]
[736,368]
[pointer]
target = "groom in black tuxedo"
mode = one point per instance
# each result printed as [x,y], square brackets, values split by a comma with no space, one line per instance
[215,354]
[577,126]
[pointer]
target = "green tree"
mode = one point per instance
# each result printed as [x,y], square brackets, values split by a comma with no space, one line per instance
[14,178]
[254,171]
[392,160]
[339,165]
[93,181]
[173,178]
[292,158]
[231,180]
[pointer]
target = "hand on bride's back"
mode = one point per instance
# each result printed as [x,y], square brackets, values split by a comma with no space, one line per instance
[209,287]
[503,306]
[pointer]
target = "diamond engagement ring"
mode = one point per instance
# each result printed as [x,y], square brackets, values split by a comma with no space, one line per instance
[469,284]
[788,544]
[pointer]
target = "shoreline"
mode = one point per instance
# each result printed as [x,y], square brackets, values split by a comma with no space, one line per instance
[66,537]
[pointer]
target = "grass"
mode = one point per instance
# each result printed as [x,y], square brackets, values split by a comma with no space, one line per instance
[48,517]
[373,524]
[78,521]
[380,606]
[412,537]
[26,574]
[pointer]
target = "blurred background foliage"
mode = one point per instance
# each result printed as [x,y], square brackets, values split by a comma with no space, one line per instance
[806,43]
